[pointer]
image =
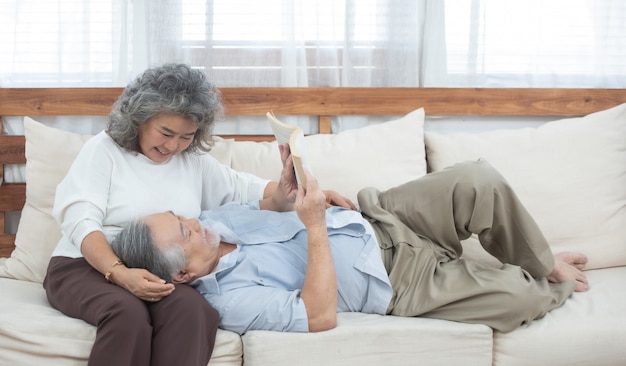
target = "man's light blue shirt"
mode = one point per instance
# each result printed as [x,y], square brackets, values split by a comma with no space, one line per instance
[257,286]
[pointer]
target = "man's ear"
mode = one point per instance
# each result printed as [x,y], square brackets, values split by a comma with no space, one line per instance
[181,277]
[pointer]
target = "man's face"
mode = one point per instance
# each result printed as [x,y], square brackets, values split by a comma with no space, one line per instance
[200,244]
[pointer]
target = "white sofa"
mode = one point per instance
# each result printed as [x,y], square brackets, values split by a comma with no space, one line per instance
[570,173]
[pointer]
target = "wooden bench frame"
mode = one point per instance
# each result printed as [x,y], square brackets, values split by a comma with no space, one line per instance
[322,102]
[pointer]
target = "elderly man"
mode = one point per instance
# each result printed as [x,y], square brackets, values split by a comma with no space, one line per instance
[294,270]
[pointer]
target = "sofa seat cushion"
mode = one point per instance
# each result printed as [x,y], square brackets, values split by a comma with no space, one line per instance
[367,339]
[34,333]
[589,329]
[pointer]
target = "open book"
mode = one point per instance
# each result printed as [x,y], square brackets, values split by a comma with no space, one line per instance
[294,136]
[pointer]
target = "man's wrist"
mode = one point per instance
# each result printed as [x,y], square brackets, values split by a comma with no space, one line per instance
[317,231]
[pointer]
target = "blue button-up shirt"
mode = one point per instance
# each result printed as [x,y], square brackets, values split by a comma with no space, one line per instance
[258,285]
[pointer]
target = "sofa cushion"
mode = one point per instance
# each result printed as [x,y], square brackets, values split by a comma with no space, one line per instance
[589,329]
[33,333]
[369,339]
[570,174]
[381,155]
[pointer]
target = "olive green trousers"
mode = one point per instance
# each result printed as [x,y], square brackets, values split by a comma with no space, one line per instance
[420,225]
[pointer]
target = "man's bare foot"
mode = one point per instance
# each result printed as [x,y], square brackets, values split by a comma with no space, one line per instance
[568,267]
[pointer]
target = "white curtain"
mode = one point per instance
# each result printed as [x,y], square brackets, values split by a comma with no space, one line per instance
[61,43]
[507,43]
[300,42]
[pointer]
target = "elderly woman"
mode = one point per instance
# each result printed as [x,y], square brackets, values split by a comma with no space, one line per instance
[152,157]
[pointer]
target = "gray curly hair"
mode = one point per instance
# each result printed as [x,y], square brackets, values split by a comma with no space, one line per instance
[175,89]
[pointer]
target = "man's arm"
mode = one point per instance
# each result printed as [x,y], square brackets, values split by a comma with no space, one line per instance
[319,291]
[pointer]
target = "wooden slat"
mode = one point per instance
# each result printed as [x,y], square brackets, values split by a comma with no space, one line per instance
[255,138]
[325,125]
[12,196]
[57,101]
[334,101]
[12,150]
[436,101]
[6,244]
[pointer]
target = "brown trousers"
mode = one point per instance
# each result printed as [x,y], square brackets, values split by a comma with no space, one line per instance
[419,226]
[178,330]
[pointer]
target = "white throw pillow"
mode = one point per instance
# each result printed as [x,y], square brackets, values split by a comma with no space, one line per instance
[49,154]
[570,174]
[382,155]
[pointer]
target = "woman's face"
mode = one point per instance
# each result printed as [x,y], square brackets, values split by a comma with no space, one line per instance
[164,136]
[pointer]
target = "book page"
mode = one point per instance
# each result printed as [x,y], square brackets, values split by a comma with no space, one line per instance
[281,130]
[294,136]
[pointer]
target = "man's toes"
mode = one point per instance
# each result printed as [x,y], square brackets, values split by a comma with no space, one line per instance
[581,286]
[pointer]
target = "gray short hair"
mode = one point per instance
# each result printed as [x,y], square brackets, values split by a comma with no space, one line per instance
[174,89]
[135,246]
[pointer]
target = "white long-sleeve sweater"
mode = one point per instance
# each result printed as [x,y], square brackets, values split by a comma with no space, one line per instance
[107,186]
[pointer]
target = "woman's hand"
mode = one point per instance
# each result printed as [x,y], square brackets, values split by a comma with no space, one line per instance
[335,199]
[283,196]
[141,283]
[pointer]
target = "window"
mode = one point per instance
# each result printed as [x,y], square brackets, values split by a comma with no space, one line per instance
[507,43]
[558,42]
[67,42]
[239,39]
